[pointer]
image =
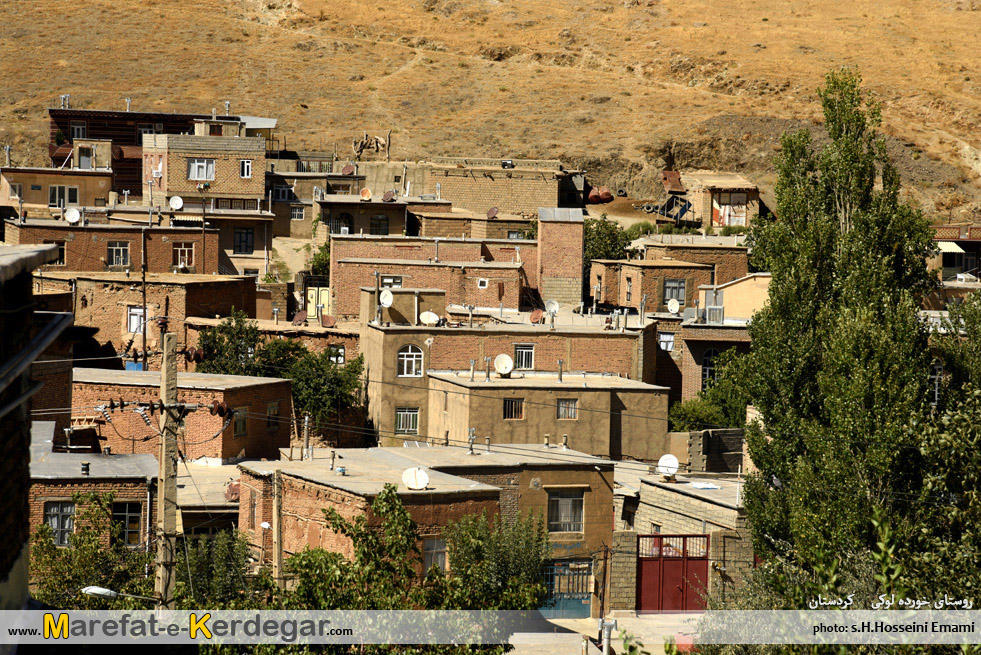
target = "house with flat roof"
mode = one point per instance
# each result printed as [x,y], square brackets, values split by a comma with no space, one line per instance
[296,194]
[721,199]
[37,192]
[647,285]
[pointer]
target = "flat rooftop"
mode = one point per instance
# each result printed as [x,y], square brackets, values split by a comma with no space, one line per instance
[566,322]
[543,380]
[467,215]
[413,241]
[352,198]
[14,260]
[51,170]
[207,381]
[203,486]
[56,223]
[423,262]
[151,278]
[367,471]
[46,465]
[715,180]
[284,326]
[717,490]
[690,241]
[653,263]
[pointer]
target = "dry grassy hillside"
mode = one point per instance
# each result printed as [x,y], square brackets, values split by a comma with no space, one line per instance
[622,87]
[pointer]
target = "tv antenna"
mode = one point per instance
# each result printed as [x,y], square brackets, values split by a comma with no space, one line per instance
[674,306]
[492,212]
[552,307]
[389,196]
[429,318]
[365,194]
[348,170]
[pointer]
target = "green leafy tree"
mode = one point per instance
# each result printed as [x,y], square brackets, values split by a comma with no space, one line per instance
[231,347]
[603,239]
[217,572]
[320,263]
[322,389]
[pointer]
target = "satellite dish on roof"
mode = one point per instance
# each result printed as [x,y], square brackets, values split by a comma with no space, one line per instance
[536,316]
[72,216]
[347,170]
[415,478]
[667,465]
[674,306]
[385,298]
[492,212]
[552,307]
[366,194]
[429,318]
[503,364]
[389,196]
[176,203]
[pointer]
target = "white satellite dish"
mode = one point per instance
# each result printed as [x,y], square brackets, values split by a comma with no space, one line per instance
[674,306]
[503,364]
[429,318]
[552,306]
[386,298]
[415,478]
[667,465]
[176,203]
[72,216]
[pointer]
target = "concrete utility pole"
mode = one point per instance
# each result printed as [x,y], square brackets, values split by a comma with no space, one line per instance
[277,528]
[306,436]
[167,478]
[143,279]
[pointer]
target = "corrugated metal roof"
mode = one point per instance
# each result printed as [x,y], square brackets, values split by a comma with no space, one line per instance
[258,122]
[949,246]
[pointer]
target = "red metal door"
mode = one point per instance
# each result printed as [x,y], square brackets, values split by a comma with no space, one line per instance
[672,573]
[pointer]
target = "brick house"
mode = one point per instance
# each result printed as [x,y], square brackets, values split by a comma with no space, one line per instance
[351,214]
[261,424]
[56,477]
[560,254]
[727,261]
[630,283]
[113,304]
[94,246]
[22,335]
[47,192]
[467,224]
[295,194]
[721,199]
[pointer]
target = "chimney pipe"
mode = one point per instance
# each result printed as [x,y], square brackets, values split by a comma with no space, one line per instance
[85,468]
[415,316]
[214,114]
[546,441]
[487,444]
[472,362]
[275,312]
[228,106]
[333,456]
[487,361]
[127,103]
[560,370]
[565,442]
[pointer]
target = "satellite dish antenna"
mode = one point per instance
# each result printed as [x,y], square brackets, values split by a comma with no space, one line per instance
[667,465]
[429,318]
[347,170]
[552,307]
[389,196]
[415,478]
[176,203]
[674,306]
[386,298]
[492,212]
[366,194]
[503,364]
[72,216]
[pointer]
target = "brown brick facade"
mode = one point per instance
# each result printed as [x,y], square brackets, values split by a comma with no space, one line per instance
[511,191]
[729,262]
[123,490]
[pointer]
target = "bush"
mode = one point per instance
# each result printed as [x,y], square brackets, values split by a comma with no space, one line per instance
[695,414]
[730,230]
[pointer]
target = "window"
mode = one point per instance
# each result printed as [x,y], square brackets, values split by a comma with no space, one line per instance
[224,203]
[283,193]
[85,158]
[729,208]
[482,283]
[143,129]
[253,505]
[201,169]
[251,272]
[655,528]
[129,516]
[568,408]
[61,253]
[79,130]
[183,253]
[62,196]
[407,420]
[117,253]
[410,362]
[514,409]
[245,168]
[391,281]
[708,368]
[16,190]
[433,554]
[515,234]
[134,319]
[565,510]
[524,356]
[296,213]
[337,354]
[272,415]
[630,288]
[666,341]
[379,224]
[240,422]
[342,224]
[214,129]
[244,243]
[60,515]
[674,290]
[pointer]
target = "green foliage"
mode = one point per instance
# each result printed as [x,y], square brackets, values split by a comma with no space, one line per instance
[216,572]
[634,646]
[730,230]
[96,555]
[321,388]
[695,414]
[640,229]
[604,239]
[532,231]
[957,345]
[320,263]
[231,347]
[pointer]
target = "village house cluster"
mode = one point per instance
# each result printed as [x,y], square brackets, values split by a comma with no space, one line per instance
[518,375]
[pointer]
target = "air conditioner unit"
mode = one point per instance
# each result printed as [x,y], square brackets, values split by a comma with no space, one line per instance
[345,229]
[157,174]
[715,314]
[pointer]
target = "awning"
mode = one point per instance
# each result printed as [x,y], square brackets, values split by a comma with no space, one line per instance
[949,246]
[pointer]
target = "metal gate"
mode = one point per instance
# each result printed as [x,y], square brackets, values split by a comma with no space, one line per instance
[569,589]
[672,572]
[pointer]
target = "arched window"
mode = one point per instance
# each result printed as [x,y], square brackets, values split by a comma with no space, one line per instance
[708,368]
[379,224]
[340,222]
[410,362]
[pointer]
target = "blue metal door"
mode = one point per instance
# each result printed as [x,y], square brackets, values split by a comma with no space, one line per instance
[569,592]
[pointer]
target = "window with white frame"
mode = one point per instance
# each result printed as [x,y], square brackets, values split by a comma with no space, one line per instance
[117,253]
[79,130]
[134,319]
[407,420]
[142,129]
[59,515]
[183,253]
[514,409]
[524,356]
[272,415]
[674,290]
[665,341]
[60,195]
[240,422]
[129,517]
[410,362]
[515,234]
[296,213]
[391,281]
[433,554]
[201,170]
[245,168]
[565,510]
[482,283]
[337,354]
[568,408]
[709,371]
[16,190]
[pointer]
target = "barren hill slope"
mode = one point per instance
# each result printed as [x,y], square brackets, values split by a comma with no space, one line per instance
[622,87]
